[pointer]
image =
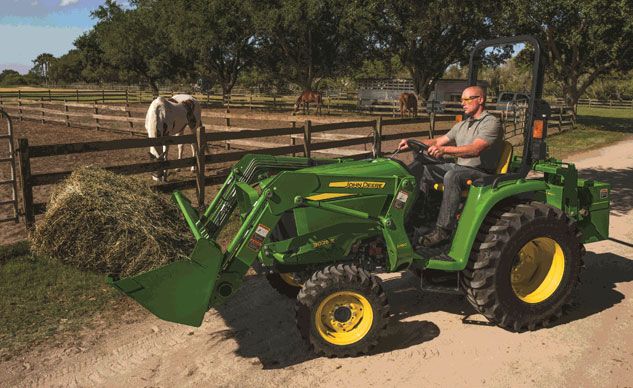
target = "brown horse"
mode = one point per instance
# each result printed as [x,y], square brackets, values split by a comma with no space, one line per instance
[408,102]
[306,98]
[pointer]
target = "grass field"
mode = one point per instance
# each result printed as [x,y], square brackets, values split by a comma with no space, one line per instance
[596,127]
[42,298]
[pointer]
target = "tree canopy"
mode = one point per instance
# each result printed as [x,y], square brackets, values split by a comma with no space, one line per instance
[304,43]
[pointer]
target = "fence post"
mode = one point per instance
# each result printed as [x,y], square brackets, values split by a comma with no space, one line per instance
[27,189]
[129,113]
[50,97]
[378,147]
[103,96]
[67,116]
[560,119]
[77,95]
[20,109]
[42,111]
[250,102]
[19,94]
[293,140]
[96,112]
[127,97]
[201,146]
[228,110]
[307,134]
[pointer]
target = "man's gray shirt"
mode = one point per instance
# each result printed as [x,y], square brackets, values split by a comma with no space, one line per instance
[487,128]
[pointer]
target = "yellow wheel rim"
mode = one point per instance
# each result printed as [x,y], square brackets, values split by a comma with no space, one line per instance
[344,318]
[289,279]
[538,270]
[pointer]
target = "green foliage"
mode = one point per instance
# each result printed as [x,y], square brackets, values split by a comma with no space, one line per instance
[216,37]
[135,40]
[306,41]
[96,67]
[10,77]
[67,68]
[41,298]
[42,65]
[584,39]
[429,36]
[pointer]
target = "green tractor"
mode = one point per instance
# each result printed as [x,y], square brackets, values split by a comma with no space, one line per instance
[321,229]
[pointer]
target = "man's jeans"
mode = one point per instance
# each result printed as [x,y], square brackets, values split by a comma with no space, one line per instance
[454,178]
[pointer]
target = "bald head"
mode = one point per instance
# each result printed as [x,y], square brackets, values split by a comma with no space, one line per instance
[474,91]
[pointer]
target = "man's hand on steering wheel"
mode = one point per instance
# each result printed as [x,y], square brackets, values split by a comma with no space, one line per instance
[436,151]
[422,151]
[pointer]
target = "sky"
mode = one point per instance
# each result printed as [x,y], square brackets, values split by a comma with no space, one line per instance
[32,27]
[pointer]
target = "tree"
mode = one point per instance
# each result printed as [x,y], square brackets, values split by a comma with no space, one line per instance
[67,68]
[430,36]
[135,41]
[583,39]
[304,41]
[10,77]
[94,64]
[41,66]
[217,37]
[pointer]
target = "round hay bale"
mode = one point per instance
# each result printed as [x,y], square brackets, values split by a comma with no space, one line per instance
[97,220]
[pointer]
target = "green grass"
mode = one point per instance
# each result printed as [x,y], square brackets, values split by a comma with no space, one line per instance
[595,128]
[41,298]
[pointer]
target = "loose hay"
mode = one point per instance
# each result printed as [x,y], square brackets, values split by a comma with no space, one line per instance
[100,221]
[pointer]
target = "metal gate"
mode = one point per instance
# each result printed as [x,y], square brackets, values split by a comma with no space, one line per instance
[8,159]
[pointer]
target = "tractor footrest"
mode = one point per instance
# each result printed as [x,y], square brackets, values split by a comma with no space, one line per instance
[440,281]
[435,253]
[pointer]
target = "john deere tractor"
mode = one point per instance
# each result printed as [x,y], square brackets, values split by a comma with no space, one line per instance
[321,229]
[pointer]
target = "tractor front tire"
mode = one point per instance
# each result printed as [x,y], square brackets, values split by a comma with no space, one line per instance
[342,311]
[524,266]
[284,283]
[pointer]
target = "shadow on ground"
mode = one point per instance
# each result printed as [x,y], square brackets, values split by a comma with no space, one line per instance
[614,124]
[262,323]
[621,187]
[597,291]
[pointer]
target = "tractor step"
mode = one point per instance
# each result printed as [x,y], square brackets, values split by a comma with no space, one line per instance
[435,253]
[440,282]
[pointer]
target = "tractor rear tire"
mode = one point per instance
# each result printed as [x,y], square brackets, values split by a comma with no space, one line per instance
[342,311]
[524,266]
[284,284]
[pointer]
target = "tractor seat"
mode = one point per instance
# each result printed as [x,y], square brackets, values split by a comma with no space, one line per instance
[502,167]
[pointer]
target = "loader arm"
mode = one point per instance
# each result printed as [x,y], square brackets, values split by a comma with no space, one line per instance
[184,290]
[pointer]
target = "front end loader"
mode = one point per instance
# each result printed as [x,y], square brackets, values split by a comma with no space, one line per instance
[321,229]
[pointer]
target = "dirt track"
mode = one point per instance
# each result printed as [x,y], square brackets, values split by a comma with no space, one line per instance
[252,341]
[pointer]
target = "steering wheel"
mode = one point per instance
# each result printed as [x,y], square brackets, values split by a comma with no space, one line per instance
[420,151]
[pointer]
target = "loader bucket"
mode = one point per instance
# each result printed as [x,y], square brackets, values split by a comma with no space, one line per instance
[180,291]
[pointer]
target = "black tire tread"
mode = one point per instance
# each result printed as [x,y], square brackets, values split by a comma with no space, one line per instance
[331,279]
[498,229]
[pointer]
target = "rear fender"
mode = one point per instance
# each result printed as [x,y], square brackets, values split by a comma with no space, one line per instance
[481,199]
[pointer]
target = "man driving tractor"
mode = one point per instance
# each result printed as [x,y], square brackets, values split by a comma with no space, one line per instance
[478,146]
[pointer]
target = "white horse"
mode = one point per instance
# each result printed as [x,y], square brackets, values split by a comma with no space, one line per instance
[169,117]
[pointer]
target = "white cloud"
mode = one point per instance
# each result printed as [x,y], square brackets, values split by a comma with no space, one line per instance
[64,3]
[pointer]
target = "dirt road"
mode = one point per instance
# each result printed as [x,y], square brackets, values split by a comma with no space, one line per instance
[252,341]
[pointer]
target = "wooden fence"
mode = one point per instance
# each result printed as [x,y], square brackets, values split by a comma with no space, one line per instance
[595,103]
[307,132]
[130,118]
